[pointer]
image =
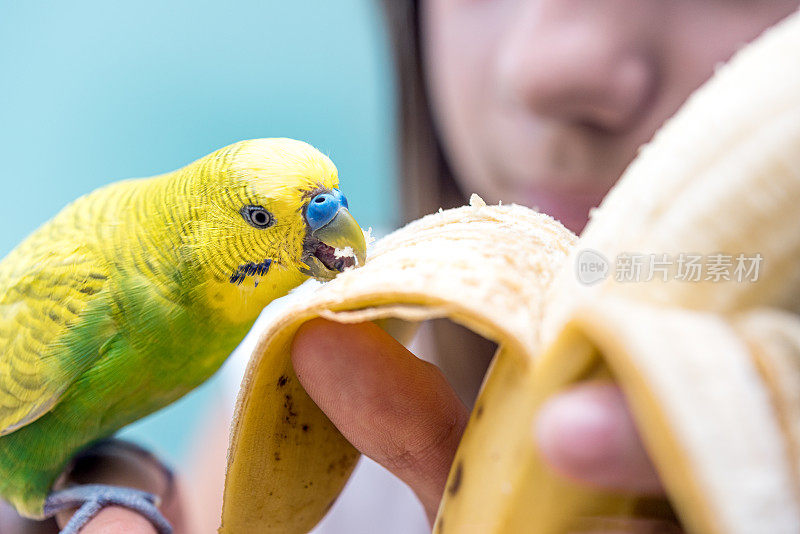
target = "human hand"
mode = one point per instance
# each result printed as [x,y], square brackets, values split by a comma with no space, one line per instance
[401,412]
[118,463]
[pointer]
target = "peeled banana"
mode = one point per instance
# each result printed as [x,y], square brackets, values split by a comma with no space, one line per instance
[466,264]
[710,368]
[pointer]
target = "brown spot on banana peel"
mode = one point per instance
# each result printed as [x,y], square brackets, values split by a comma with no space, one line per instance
[656,508]
[330,504]
[341,464]
[455,485]
[291,415]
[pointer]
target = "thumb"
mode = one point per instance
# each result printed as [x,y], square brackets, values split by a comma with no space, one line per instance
[395,408]
[587,433]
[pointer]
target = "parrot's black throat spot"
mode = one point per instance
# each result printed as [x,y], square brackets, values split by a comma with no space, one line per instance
[250,269]
[326,254]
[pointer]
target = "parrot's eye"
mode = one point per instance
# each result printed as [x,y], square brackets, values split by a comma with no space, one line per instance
[257,216]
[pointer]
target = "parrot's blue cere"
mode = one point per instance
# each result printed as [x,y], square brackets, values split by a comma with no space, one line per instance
[324,207]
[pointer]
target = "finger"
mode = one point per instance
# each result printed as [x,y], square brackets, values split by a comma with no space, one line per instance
[392,406]
[12,523]
[587,434]
[117,520]
[120,463]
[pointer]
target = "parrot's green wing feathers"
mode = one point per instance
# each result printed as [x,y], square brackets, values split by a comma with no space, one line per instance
[49,304]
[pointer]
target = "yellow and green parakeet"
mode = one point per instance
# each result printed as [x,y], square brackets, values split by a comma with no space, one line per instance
[136,293]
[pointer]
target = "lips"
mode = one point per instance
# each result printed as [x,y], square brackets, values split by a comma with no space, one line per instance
[572,209]
[551,175]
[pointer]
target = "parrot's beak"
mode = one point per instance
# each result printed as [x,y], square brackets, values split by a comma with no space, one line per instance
[337,245]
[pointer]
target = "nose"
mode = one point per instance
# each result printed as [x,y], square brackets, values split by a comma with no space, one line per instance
[582,61]
[324,207]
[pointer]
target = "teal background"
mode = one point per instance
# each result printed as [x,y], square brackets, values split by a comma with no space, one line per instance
[95,91]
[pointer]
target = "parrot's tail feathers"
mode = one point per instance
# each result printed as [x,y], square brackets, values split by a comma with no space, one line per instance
[92,498]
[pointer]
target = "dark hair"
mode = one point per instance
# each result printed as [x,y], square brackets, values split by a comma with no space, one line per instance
[426,183]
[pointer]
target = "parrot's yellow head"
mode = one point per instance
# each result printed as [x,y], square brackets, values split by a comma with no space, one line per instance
[267,215]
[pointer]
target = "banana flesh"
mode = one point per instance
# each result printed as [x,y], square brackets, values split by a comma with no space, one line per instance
[710,369]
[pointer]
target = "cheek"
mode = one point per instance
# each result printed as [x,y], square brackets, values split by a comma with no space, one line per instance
[706,34]
[459,39]
[700,36]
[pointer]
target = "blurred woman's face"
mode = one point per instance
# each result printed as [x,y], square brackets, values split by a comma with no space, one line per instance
[545,102]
